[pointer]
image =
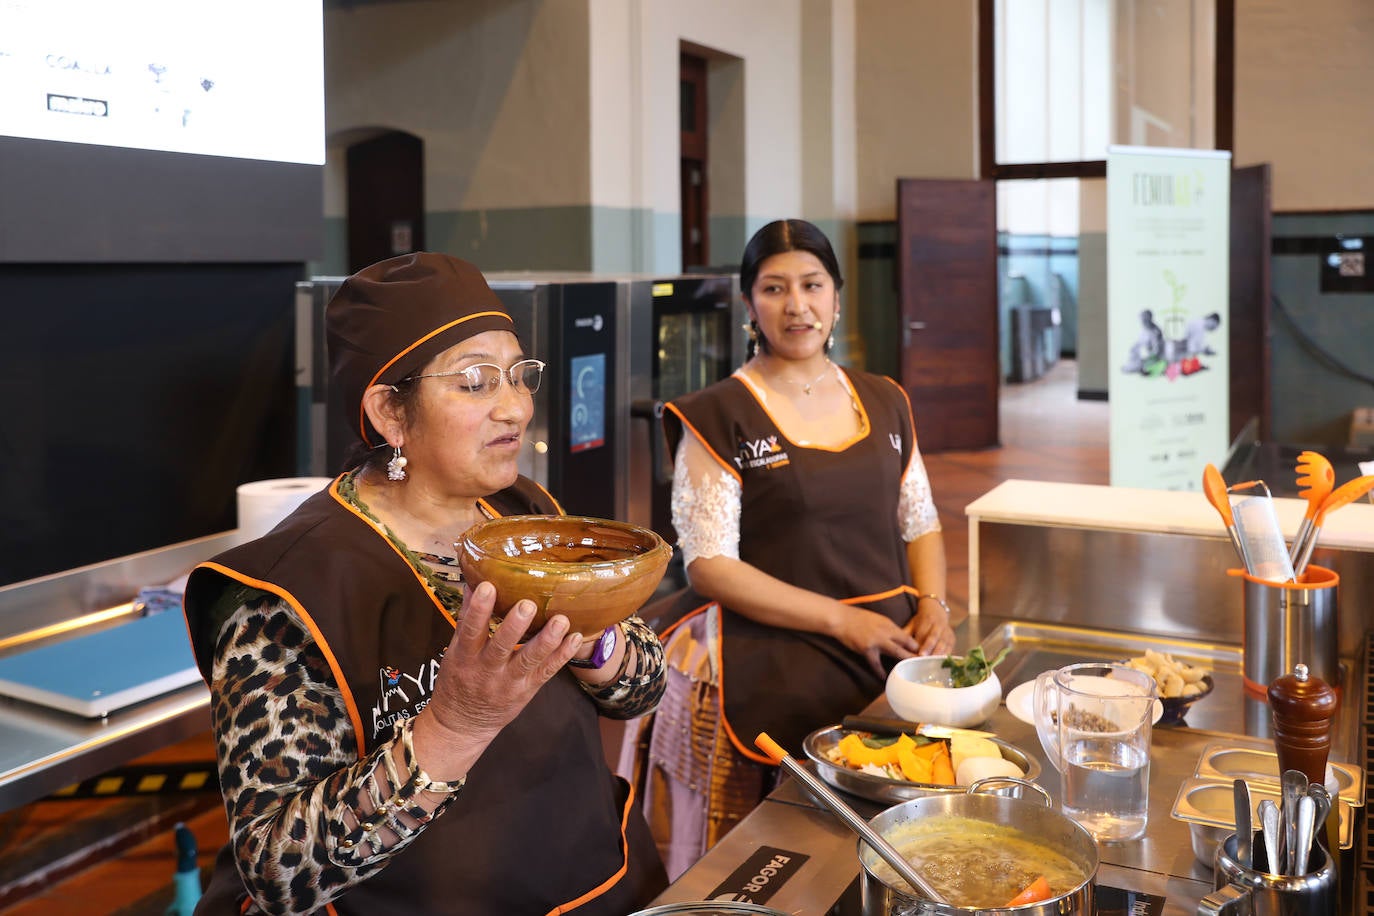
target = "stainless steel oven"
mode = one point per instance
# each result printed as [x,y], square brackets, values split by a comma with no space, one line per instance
[685,333]
[618,347]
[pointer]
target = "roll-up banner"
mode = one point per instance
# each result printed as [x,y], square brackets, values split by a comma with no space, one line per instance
[1168,262]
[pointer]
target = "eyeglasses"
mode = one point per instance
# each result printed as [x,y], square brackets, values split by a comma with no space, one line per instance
[483,380]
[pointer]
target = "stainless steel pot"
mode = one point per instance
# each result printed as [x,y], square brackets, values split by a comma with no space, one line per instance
[1044,823]
[709,908]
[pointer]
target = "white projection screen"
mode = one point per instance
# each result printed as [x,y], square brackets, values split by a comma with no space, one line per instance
[151,130]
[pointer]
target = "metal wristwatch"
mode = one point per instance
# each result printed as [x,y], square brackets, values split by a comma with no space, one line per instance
[605,648]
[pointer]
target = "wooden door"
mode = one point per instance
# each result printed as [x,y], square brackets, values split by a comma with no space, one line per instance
[386,198]
[947,282]
[1251,241]
[692,152]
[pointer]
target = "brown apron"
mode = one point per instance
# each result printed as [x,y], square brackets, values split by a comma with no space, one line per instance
[824,519]
[497,848]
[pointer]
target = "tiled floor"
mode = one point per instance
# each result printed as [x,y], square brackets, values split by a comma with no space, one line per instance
[1047,434]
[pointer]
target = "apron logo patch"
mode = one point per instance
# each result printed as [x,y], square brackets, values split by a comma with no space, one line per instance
[761,453]
[395,690]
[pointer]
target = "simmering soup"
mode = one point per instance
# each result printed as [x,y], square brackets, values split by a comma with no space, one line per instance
[977,864]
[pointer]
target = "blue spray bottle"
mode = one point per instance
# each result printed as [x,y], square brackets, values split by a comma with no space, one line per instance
[186,881]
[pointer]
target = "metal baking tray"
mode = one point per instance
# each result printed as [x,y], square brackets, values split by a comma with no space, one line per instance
[1211,803]
[892,791]
[1228,762]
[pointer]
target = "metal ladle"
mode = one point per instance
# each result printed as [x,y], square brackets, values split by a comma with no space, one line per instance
[851,818]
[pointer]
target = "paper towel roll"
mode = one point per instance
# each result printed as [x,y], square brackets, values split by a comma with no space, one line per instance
[263,503]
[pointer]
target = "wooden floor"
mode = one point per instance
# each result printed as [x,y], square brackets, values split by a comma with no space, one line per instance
[45,848]
[1046,433]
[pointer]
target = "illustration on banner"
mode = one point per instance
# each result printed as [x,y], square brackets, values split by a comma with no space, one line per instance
[1170,343]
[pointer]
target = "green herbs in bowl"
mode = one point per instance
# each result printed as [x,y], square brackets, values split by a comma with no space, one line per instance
[974,668]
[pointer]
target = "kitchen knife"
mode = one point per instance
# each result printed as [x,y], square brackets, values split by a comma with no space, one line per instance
[1245,833]
[881,725]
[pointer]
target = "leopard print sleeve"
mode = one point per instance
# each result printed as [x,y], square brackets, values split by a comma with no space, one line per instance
[639,684]
[308,819]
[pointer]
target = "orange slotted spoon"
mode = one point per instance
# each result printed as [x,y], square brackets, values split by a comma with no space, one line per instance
[1318,480]
[1347,492]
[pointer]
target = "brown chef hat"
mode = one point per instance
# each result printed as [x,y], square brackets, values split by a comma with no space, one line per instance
[388,320]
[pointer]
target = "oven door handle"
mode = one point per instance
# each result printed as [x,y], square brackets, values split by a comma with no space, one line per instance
[651,409]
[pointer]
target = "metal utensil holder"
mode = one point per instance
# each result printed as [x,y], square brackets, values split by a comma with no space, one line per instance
[1290,623]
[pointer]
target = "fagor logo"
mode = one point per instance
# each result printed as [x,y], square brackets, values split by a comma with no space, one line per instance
[760,876]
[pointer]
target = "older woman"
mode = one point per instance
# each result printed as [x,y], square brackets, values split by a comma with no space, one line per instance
[384,745]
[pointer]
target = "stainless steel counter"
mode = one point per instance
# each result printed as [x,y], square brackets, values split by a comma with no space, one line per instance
[1162,863]
[43,749]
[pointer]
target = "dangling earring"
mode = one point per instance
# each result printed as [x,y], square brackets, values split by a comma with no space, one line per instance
[396,467]
[753,328]
[830,342]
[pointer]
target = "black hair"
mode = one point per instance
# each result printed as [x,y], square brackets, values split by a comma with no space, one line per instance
[786,235]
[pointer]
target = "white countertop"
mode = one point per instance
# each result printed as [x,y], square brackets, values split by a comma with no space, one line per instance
[1162,511]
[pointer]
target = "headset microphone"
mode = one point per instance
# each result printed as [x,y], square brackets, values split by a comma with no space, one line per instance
[817,325]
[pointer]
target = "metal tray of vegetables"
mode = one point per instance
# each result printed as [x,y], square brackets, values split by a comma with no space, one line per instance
[841,764]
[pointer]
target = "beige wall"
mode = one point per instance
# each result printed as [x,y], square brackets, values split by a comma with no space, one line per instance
[634,80]
[916,86]
[1304,78]
[495,88]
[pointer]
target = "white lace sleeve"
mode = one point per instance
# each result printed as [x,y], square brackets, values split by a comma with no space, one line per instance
[706,504]
[916,513]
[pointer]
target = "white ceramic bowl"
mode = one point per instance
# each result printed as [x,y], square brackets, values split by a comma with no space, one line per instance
[918,690]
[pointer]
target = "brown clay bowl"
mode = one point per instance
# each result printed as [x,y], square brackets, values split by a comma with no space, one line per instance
[594,571]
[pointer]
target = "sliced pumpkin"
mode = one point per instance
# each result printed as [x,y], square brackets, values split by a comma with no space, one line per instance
[914,766]
[941,769]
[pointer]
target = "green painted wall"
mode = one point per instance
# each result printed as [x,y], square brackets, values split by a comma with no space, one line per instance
[1311,332]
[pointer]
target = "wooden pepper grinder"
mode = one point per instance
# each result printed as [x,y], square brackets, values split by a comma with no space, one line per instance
[1303,706]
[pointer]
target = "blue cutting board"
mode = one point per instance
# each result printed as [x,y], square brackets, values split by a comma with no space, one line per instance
[98,673]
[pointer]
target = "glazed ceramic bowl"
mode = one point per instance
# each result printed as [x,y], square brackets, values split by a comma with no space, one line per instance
[918,690]
[595,571]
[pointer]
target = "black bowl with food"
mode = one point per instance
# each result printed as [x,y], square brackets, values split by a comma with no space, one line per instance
[1175,708]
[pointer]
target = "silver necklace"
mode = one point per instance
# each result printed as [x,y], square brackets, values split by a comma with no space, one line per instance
[806,386]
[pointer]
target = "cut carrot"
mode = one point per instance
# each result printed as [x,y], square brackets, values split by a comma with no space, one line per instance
[1037,890]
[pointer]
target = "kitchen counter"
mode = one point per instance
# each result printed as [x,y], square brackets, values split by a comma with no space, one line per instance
[820,874]
[1151,561]
[1153,511]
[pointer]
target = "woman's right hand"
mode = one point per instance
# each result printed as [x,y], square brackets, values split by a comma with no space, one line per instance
[485,679]
[872,635]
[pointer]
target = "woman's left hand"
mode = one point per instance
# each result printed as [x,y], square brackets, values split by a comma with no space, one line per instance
[930,627]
